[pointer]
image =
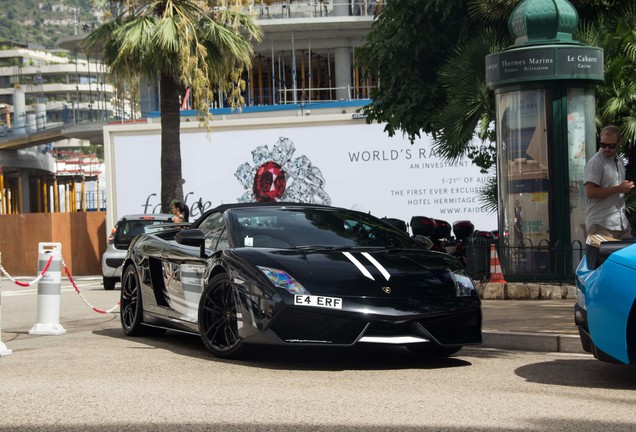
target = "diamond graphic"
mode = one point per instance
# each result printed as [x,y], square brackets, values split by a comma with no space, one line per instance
[277,176]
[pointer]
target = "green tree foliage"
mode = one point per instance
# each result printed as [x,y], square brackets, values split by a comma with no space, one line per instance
[431,61]
[183,44]
[615,32]
[406,46]
[45,22]
[463,76]
[430,56]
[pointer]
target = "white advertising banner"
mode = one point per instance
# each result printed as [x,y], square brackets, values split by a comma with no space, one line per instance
[343,163]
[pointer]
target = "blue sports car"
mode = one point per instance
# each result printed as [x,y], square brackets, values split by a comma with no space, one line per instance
[605,312]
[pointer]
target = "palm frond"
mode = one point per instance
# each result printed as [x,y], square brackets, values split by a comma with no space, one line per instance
[628,129]
[470,104]
[491,10]
[489,195]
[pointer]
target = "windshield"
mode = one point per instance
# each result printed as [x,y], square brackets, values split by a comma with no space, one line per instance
[294,227]
[129,229]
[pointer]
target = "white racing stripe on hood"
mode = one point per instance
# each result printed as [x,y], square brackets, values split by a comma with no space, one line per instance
[377,265]
[359,265]
[372,260]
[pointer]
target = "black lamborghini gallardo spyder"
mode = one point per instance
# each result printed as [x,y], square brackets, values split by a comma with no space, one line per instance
[297,274]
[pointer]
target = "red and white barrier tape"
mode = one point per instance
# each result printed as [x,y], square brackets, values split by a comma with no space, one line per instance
[34,281]
[70,278]
[77,290]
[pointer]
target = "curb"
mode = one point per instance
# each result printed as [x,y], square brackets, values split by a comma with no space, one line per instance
[525,341]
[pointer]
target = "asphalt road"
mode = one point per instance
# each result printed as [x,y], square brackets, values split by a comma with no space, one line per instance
[93,378]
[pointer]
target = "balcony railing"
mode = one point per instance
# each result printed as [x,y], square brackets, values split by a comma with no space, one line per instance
[313,9]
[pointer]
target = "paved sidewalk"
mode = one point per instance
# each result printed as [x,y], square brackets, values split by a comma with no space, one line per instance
[531,325]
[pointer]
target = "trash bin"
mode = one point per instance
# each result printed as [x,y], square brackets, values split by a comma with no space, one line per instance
[478,257]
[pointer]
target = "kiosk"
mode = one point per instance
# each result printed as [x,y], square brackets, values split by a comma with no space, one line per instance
[545,120]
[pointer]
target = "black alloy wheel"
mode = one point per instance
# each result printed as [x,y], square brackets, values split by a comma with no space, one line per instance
[218,320]
[131,306]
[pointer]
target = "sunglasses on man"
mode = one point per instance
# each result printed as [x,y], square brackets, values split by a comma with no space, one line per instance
[609,146]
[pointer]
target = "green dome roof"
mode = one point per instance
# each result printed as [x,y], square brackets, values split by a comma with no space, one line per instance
[540,21]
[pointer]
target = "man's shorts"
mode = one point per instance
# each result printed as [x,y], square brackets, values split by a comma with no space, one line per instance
[597,234]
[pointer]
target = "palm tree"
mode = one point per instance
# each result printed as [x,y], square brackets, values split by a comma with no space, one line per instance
[183,43]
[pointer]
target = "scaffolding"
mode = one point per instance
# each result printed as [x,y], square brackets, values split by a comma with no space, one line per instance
[74,187]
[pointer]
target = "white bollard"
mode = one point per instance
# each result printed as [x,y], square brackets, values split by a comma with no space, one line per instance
[49,290]
[3,348]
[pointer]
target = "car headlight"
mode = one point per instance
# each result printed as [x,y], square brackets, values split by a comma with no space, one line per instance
[282,279]
[464,285]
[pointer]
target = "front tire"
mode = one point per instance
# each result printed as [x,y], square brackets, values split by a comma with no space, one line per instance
[218,318]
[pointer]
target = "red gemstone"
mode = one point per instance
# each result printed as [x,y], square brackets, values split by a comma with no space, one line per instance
[269,182]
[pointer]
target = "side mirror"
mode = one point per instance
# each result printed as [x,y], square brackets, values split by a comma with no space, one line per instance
[192,237]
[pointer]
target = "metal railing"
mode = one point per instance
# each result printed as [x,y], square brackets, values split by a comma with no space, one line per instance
[93,203]
[525,261]
[286,9]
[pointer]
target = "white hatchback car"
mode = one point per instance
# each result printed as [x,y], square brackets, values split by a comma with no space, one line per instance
[119,239]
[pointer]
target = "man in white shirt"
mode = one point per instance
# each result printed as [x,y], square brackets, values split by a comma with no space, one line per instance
[605,189]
